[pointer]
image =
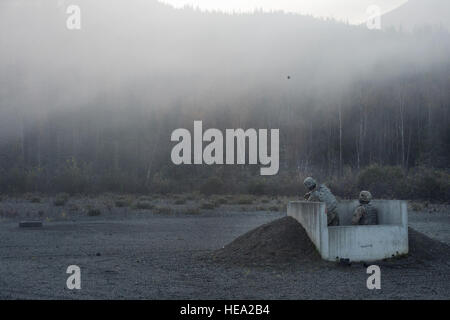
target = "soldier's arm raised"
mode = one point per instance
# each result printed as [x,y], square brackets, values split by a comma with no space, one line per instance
[314,196]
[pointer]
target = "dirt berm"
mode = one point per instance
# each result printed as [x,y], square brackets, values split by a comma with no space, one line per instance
[285,241]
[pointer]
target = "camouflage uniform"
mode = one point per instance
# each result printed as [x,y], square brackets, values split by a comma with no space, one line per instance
[365,213]
[323,194]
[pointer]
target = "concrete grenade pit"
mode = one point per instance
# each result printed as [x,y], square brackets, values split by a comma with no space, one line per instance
[357,243]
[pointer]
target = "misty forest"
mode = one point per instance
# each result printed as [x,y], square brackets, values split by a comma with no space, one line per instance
[92,110]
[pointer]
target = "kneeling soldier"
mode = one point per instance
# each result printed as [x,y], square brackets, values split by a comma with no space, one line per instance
[322,194]
[365,213]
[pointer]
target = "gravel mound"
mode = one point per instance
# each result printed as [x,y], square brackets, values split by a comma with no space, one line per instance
[285,241]
[422,251]
[280,241]
[422,247]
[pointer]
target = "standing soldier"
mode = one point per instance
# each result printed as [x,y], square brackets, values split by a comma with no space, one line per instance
[322,194]
[365,213]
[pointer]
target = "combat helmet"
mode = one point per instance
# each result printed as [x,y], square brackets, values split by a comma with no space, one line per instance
[309,183]
[365,197]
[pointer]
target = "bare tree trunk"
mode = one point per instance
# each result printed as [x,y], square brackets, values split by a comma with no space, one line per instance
[402,128]
[152,157]
[409,149]
[340,139]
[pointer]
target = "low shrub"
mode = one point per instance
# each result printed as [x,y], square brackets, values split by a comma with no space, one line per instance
[161,185]
[213,185]
[180,201]
[244,199]
[35,200]
[93,212]
[61,199]
[416,206]
[221,201]
[383,182]
[73,208]
[344,186]
[193,211]
[257,187]
[208,205]
[192,196]
[122,202]
[428,184]
[163,210]
[71,177]
[144,205]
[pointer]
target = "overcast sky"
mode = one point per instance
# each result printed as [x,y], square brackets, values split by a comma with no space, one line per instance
[352,10]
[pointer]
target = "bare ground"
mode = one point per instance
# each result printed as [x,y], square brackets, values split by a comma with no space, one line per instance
[137,254]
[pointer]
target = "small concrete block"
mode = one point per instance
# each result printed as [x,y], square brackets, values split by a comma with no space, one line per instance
[30,224]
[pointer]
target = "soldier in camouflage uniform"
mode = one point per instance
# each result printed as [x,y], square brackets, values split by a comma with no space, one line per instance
[322,194]
[365,213]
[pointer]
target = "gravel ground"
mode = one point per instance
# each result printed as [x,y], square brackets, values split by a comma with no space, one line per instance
[436,225]
[127,255]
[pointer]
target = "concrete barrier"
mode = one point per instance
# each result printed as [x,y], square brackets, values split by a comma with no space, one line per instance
[356,243]
[30,224]
[311,216]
